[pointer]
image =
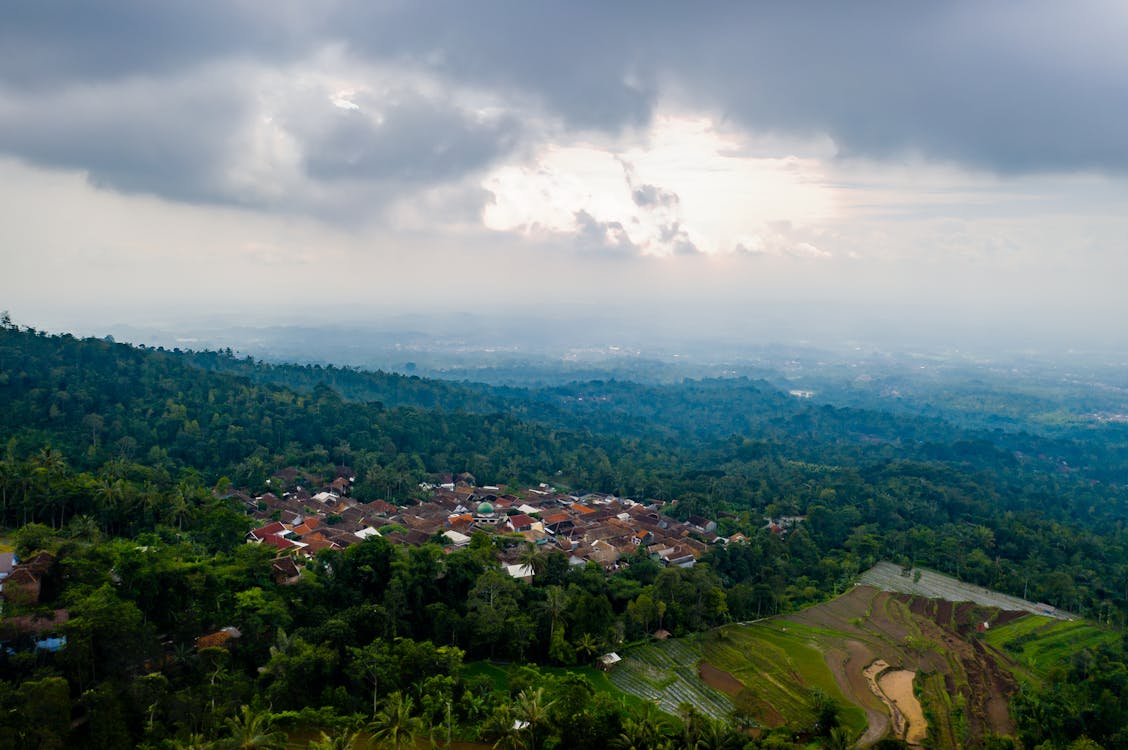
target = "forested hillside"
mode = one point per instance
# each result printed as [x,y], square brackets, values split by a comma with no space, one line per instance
[127,464]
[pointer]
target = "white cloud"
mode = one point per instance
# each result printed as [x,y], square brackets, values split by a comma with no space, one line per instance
[681,181]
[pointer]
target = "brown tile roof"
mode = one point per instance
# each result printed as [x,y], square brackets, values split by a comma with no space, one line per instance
[379,506]
[521,520]
[277,542]
[218,638]
[268,530]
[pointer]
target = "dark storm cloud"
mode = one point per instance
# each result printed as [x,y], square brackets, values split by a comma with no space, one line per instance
[403,137]
[1009,87]
[169,138]
[51,44]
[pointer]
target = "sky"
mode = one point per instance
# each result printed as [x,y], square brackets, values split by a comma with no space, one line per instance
[955,173]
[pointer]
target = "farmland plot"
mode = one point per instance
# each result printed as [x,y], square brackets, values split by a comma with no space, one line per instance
[932,585]
[666,673]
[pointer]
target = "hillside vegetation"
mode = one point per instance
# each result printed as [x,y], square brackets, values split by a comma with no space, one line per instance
[135,469]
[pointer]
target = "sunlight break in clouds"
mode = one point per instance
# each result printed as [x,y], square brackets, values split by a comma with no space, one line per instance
[682,187]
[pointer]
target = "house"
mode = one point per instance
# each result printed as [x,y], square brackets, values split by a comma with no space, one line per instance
[307,526]
[608,660]
[25,583]
[521,572]
[36,624]
[280,543]
[702,525]
[217,639]
[456,539]
[285,571]
[521,522]
[315,544]
[381,508]
[260,534]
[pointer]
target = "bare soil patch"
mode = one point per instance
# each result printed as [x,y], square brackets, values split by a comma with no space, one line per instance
[897,685]
[719,679]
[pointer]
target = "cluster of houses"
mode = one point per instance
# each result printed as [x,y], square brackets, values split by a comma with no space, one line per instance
[594,527]
[22,583]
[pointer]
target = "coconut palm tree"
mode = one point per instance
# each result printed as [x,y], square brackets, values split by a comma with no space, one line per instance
[84,527]
[534,557]
[393,726]
[717,735]
[49,465]
[645,728]
[251,730]
[193,742]
[589,645]
[340,741]
[555,603]
[503,728]
[532,710]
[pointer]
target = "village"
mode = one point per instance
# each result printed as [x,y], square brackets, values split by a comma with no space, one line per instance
[588,527]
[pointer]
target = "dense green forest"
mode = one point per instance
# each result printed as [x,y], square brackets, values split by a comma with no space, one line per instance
[120,462]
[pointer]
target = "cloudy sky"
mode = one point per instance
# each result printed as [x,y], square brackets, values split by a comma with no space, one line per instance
[950,171]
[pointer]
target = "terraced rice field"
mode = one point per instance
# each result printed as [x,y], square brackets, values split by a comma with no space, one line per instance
[666,673]
[956,648]
[1037,644]
[778,663]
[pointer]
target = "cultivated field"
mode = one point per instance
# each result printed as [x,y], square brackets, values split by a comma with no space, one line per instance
[929,584]
[925,658]
[1038,644]
[769,669]
[666,673]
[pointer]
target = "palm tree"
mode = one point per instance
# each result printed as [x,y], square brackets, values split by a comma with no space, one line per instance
[717,735]
[342,741]
[838,739]
[49,463]
[589,645]
[250,730]
[192,742]
[534,557]
[555,603]
[533,711]
[503,727]
[84,527]
[394,727]
[645,728]
[180,505]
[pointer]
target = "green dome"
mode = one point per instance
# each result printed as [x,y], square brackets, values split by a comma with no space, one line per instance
[485,509]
